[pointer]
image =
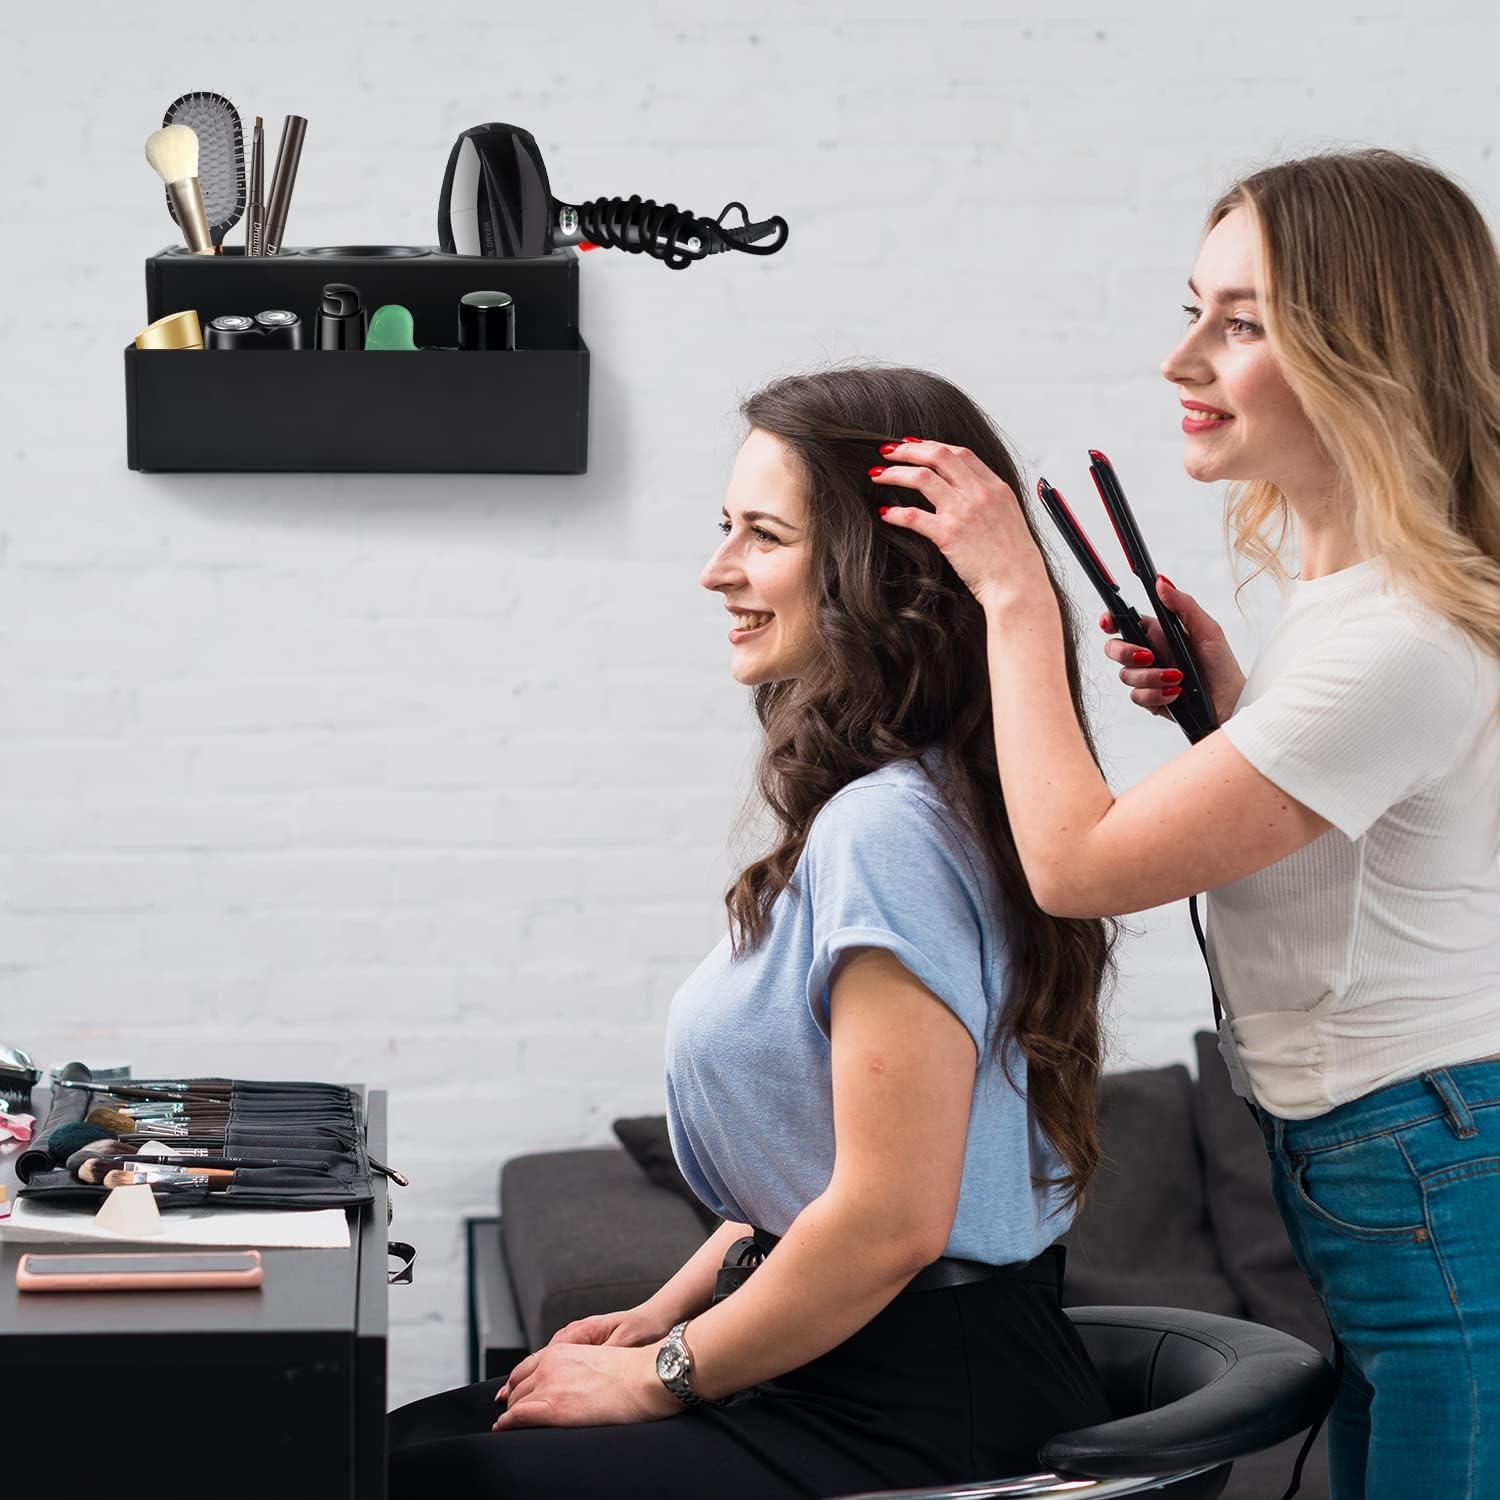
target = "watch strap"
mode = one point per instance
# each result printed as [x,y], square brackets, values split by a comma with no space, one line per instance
[680,1381]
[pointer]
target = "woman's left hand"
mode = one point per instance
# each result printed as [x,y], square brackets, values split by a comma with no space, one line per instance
[586,1385]
[976,520]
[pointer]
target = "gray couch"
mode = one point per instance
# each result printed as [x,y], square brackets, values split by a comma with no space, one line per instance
[1179,1216]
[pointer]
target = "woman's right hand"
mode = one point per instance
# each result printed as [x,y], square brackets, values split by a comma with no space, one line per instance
[1151,684]
[632,1328]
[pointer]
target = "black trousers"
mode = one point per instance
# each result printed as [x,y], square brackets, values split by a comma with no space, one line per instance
[959,1383]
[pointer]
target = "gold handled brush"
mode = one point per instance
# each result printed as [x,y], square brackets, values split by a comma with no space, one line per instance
[173,152]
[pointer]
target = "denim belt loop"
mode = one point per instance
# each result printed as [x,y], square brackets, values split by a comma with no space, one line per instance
[1460,1118]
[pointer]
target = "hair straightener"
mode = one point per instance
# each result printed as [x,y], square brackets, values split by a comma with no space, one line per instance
[1193,709]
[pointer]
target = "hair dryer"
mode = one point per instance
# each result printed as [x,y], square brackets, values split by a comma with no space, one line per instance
[496,200]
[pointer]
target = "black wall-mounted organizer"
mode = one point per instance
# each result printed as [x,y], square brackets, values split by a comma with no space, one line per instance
[439,410]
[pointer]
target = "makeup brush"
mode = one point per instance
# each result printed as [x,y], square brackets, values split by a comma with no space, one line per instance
[215,1178]
[173,154]
[105,1154]
[92,1166]
[74,1136]
[137,1091]
[216,1088]
[126,1176]
[120,1123]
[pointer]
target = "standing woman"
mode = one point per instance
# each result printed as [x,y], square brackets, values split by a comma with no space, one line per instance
[1341,363]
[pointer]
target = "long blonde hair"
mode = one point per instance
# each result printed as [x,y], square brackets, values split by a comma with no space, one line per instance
[1381,290]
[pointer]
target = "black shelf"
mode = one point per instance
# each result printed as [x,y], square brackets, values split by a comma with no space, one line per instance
[438,410]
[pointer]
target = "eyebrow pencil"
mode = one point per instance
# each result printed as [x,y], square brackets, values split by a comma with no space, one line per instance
[283,180]
[257,214]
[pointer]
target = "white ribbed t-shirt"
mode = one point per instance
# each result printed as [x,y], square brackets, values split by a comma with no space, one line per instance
[1373,953]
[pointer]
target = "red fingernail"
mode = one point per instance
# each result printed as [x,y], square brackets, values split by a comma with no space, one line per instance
[1171,692]
[1162,578]
[1171,675]
[911,440]
[889,448]
[884,509]
[1140,658]
[877,470]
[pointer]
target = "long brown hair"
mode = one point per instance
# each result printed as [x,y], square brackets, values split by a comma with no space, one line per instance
[1382,300]
[901,667]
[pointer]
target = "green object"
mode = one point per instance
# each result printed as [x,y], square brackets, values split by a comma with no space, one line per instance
[390,328]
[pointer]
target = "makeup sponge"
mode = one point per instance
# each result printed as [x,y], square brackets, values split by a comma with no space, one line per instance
[390,328]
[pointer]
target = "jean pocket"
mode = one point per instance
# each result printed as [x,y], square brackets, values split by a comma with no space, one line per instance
[1364,1188]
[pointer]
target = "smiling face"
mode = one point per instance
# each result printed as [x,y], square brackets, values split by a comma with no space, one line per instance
[1241,418]
[761,566]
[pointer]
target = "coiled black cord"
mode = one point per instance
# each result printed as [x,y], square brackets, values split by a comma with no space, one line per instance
[666,232]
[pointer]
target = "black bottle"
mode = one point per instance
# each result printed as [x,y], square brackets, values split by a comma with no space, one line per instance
[486,320]
[341,320]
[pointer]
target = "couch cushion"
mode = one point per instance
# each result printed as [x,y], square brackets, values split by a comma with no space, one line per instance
[1257,1255]
[585,1232]
[645,1138]
[1143,1236]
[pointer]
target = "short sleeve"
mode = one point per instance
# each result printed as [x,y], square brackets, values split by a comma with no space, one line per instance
[886,869]
[1362,719]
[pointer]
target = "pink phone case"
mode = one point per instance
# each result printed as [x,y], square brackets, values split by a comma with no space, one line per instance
[141,1277]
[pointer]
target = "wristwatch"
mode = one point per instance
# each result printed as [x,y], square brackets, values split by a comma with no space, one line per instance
[674,1364]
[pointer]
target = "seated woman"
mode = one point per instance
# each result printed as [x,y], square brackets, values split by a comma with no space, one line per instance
[890,1060]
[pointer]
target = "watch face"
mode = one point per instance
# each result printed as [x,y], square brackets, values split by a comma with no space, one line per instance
[670,1363]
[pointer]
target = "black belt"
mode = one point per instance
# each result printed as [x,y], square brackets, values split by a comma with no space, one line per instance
[1046,1269]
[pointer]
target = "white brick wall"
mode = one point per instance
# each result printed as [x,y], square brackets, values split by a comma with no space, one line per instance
[428,781]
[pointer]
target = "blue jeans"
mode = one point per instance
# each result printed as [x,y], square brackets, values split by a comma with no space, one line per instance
[1392,1204]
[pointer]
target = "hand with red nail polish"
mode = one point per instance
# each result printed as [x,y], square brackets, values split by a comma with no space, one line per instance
[954,500]
[1155,687]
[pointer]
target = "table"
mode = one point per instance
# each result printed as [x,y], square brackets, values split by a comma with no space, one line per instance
[273,1394]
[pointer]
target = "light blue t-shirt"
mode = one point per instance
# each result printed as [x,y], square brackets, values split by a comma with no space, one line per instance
[886,864]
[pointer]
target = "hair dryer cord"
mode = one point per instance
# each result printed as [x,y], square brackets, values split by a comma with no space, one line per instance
[675,236]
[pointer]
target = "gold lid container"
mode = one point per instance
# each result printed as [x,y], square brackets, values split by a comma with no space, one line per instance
[178,330]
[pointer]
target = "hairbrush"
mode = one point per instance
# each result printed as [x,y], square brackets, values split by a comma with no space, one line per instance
[221,158]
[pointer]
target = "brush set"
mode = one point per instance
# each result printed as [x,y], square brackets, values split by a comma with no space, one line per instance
[250,1143]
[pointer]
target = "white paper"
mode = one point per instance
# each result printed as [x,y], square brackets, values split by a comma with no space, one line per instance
[304,1229]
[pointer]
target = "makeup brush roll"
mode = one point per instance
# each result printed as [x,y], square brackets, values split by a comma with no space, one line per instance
[314,1132]
[439,409]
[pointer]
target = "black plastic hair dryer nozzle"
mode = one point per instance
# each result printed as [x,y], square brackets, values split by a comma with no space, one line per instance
[496,200]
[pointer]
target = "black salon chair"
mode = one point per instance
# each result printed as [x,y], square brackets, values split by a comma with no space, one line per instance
[1190,1392]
